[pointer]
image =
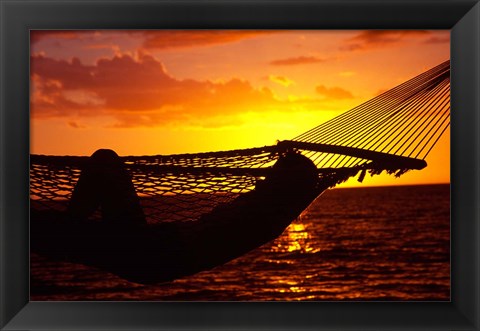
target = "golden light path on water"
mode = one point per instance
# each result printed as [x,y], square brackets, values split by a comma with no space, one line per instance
[308,242]
[382,244]
[296,239]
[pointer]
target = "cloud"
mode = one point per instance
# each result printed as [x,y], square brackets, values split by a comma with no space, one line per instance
[135,91]
[38,35]
[347,73]
[156,40]
[333,93]
[372,39]
[297,61]
[83,97]
[152,39]
[281,80]
[438,40]
[75,125]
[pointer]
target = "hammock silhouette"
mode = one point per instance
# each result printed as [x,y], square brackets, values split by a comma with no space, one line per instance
[205,209]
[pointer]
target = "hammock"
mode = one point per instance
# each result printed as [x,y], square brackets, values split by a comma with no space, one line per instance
[205,209]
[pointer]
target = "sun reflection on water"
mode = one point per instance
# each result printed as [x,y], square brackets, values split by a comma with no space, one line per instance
[329,253]
[296,238]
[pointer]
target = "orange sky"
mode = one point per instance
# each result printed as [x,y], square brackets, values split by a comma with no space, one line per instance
[163,92]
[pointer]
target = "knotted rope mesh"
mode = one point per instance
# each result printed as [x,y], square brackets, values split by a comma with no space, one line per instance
[171,188]
[391,132]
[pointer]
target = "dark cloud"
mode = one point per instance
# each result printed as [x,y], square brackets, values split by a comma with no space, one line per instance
[437,40]
[297,61]
[195,38]
[333,93]
[282,80]
[156,39]
[38,35]
[135,91]
[372,39]
[75,125]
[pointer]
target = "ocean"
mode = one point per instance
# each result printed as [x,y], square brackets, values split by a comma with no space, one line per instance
[368,243]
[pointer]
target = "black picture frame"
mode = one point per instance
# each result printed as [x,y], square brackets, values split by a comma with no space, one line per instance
[17,17]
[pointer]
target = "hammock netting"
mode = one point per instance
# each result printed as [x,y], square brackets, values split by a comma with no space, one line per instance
[393,132]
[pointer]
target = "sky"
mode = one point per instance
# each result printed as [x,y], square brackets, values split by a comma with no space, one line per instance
[172,91]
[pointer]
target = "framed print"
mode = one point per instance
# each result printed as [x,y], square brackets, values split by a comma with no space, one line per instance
[240,222]
[139,77]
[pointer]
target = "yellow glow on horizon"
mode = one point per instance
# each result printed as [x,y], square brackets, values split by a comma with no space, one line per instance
[198,91]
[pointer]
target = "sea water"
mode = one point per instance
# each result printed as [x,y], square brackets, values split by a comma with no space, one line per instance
[372,243]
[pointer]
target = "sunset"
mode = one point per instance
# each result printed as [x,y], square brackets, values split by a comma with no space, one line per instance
[172,92]
[240,165]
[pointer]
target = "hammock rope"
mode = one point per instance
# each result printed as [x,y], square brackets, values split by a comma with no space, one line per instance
[387,122]
[393,132]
